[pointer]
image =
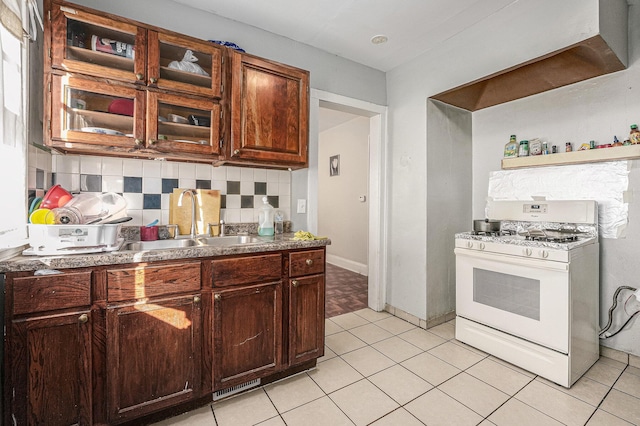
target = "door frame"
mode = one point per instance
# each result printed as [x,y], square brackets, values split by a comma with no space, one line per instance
[378,203]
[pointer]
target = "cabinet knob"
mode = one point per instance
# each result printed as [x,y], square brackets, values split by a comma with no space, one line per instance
[309,262]
[139,76]
[236,152]
[152,141]
[137,141]
[196,299]
[153,80]
[217,296]
[82,319]
[294,283]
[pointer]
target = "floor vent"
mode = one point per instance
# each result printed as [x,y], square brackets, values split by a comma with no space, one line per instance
[235,389]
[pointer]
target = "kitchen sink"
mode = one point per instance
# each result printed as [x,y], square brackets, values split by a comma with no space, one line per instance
[230,240]
[160,244]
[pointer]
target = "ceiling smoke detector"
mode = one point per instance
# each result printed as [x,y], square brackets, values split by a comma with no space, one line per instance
[379,39]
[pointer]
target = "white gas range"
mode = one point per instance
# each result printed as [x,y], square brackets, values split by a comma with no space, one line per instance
[529,294]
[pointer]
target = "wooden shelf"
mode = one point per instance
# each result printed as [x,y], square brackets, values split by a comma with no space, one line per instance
[629,152]
[185,77]
[105,119]
[188,130]
[100,58]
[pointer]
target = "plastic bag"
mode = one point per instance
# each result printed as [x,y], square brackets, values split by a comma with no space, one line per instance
[188,64]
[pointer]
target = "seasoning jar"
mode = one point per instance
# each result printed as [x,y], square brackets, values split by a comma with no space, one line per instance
[568,147]
[634,135]
[524,149]
[554,149]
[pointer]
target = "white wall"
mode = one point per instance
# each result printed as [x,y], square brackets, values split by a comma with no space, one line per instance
[341,216]
[517,33]
[597,110]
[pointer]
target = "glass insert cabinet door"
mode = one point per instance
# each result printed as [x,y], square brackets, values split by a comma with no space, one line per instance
[180,124]
[97,45]
[91,112]
[183,64]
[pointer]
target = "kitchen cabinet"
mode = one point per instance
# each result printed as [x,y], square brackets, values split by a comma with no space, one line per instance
[247,319]
[99,44]
[140,106]
[153,338]
[49,343]
[306,306]
[269,112]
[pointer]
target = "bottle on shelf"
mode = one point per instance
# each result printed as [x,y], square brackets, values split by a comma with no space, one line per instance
[634,135]
[568,147]
[524,148]
[616,142]
[511,147]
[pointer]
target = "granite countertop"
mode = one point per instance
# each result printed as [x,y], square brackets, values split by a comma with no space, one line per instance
[32,263]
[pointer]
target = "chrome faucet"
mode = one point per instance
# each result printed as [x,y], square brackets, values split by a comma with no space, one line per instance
[193,209]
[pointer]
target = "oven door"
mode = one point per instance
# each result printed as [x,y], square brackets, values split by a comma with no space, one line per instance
[527,298]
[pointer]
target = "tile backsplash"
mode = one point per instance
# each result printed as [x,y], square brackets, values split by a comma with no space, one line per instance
[146,184]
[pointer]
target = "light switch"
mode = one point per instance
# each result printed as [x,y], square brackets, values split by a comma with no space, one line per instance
[302,206]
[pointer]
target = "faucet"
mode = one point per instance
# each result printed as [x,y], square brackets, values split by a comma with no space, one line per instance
[193,209]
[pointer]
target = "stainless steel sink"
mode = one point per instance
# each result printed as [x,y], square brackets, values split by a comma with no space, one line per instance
[230,240]
[160,244]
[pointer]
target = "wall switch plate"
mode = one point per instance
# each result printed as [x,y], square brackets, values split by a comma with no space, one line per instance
[302,206]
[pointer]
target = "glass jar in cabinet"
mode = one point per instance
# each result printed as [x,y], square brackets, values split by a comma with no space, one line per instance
[88,111]
[96,44]
[179,124]
[184,64]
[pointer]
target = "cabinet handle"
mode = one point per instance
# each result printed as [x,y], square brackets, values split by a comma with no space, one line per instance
[152,141]
[196,299]
[309,262]
[82,319]
[217,296]
[153,80]
[294,283]
[236,152]
[139,76]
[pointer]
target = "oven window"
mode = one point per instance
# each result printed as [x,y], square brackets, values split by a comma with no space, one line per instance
[510,293]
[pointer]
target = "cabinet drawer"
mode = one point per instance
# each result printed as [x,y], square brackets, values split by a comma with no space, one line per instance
[245,270]
[49,292]
[150,281]
[306,263]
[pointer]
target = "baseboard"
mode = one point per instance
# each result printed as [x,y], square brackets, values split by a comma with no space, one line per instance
[347,264]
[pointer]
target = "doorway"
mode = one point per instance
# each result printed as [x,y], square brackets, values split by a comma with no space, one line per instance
[375,201]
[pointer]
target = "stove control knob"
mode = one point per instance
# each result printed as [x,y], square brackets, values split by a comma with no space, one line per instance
[528,252]
[469,244]
[544,254]
[481,246]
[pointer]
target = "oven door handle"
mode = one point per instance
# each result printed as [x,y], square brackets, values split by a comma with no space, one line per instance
[514,260]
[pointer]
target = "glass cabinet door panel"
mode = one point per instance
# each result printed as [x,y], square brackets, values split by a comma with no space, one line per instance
[97,45]
[90,114]
[184,64]
[179,124]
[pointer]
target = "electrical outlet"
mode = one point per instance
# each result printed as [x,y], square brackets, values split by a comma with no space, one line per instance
[302,206]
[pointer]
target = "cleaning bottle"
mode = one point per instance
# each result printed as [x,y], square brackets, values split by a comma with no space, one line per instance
[265,219]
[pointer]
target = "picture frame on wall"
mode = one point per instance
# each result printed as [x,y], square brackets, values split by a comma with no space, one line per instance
[334,165]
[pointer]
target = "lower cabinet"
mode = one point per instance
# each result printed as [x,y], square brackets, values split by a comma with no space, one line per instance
[306,318]
[111,344]
[51,370]
[153,356]
[247,336]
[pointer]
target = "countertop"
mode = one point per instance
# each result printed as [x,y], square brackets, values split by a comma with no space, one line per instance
[33,263]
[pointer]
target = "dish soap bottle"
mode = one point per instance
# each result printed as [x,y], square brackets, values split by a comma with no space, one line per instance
[265,219]
[511,148]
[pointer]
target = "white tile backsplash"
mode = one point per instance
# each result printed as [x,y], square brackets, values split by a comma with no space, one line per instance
[112,171]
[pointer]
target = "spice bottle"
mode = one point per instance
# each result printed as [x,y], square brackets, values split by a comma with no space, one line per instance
[568,147]
[634,135]
[511,147]
[616,142]
[524,149]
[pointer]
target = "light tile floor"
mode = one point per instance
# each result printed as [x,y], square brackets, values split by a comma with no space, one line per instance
[383,371]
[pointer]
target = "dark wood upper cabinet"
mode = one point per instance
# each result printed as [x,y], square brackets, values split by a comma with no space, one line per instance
[269,112]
